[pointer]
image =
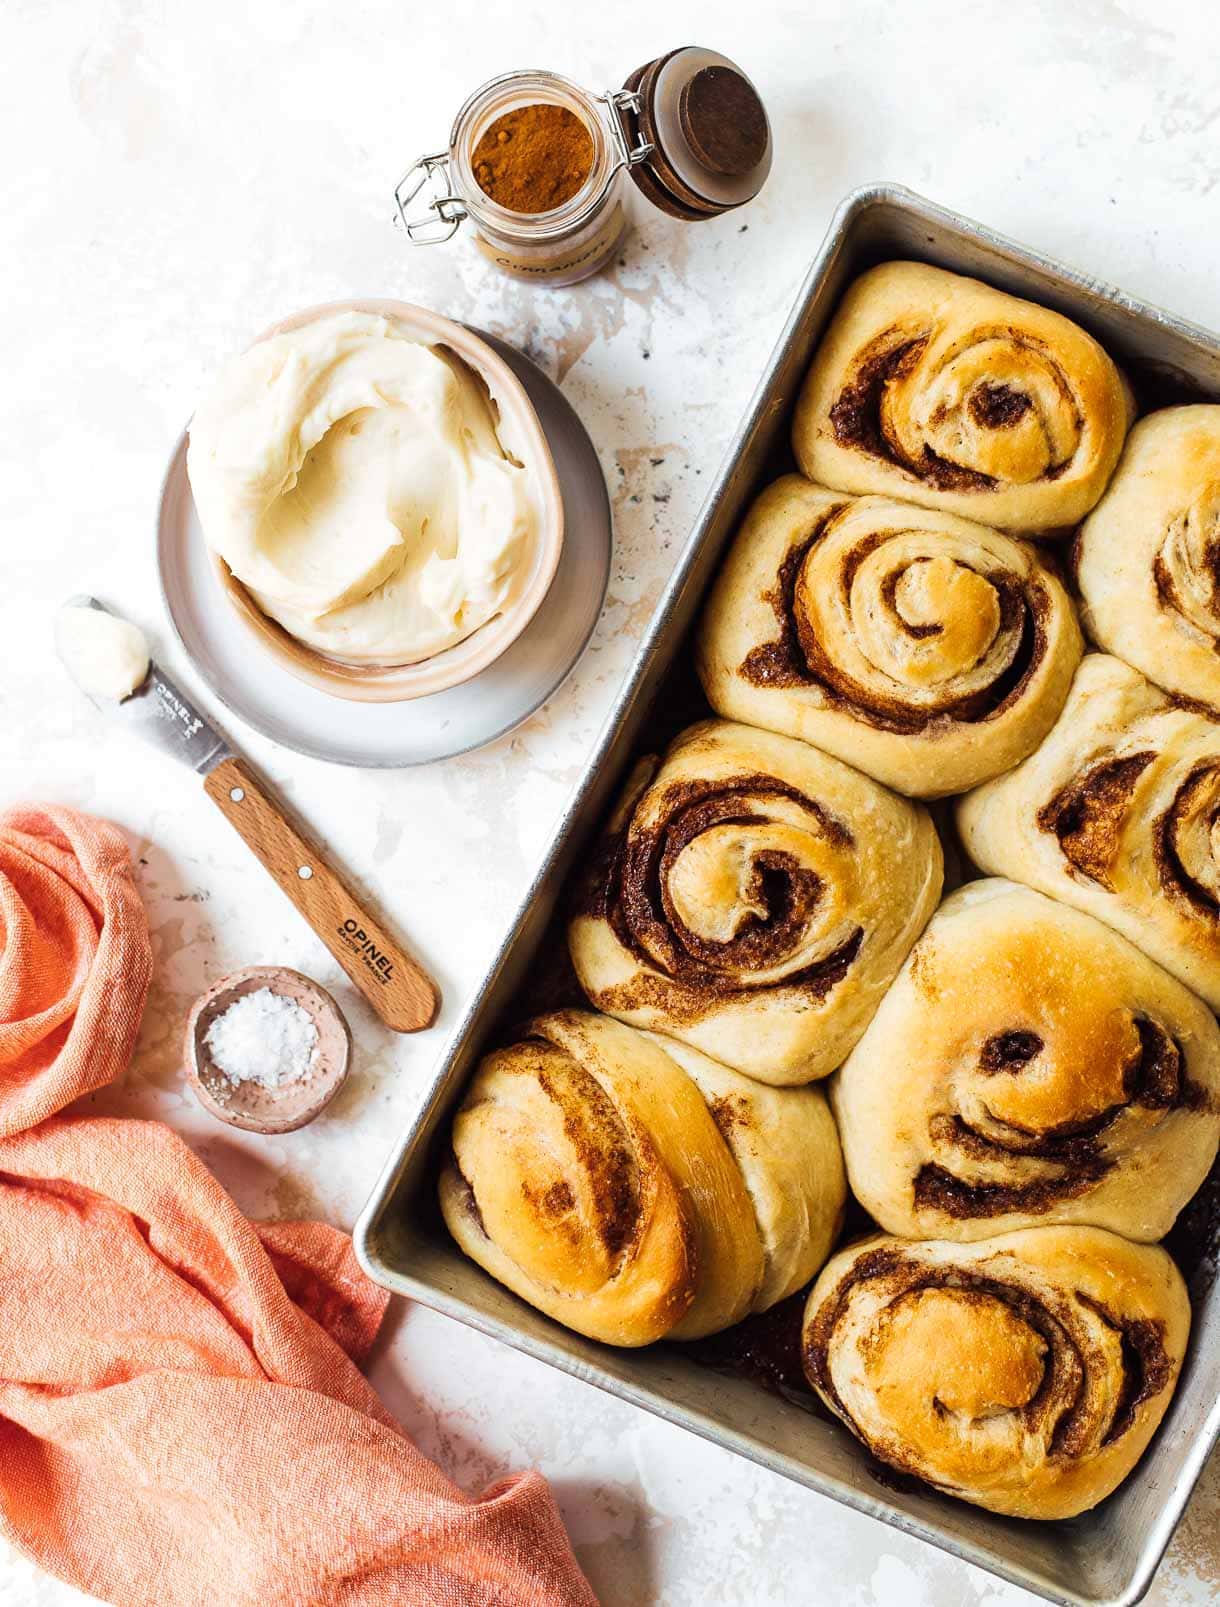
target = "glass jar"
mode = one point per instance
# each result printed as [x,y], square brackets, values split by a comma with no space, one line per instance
[659,129]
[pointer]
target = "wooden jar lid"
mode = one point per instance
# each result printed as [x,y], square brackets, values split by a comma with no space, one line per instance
[709,132]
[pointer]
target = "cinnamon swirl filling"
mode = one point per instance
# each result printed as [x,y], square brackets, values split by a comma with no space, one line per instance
[994,406]
[1187,841]
[1024,1373]
[1097,819]
[923,1305]
[906,629]
[1186,568]
[1043,1341]
[1089,815]
[752,897]
[1077,1159]
[764,852]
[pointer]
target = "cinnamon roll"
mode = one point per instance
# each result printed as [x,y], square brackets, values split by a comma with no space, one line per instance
[753,898]
[1025,1373]
[1117,813]
[942,390]
[1146,557]
[929,652]
[634,1198]
[1029,1065]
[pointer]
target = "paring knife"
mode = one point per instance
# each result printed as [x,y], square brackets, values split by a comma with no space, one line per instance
[403,994]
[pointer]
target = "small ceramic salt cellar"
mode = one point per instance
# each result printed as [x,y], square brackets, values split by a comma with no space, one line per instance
[689,131]
[274,1062]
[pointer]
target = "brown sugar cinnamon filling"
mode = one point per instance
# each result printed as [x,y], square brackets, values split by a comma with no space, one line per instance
[604,1154]
[1089,814]
[1060,1402]
[996,407]
[799,656]
[631,886]
[1186,569]
[1195,811]
[877,409]
[855,415]
[1075,1154]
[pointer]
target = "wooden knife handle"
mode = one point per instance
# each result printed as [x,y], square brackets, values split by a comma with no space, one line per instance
[403,995]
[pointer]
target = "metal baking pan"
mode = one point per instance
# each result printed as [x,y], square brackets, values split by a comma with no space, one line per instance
[1106,1556]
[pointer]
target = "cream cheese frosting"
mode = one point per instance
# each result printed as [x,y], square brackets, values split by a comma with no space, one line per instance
[105,655]
[358,483]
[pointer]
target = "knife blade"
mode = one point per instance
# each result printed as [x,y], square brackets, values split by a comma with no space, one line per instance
[161,712]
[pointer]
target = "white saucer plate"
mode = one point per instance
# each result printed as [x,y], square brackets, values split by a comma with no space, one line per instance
[252,685]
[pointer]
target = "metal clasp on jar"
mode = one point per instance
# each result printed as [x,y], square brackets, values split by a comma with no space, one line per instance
[440,217]
[617,102]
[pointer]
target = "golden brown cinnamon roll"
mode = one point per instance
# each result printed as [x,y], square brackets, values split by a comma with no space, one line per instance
[1117,813]
[927,651]
[1029,1065]
[753,898]
[942,390]
[1026,1373]
[633,1198]
[1146,556]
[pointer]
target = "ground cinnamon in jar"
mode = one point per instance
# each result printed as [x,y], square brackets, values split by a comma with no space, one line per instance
[534,158]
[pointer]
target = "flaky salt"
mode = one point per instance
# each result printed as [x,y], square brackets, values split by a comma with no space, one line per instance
[263,1038]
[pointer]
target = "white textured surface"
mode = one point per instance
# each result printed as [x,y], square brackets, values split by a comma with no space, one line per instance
[176,178]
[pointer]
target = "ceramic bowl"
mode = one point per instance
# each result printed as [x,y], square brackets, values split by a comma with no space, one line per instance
[395,683]
[249,1105]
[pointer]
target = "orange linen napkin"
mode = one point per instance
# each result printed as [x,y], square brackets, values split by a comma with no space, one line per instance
[181,1417]
[75,964]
